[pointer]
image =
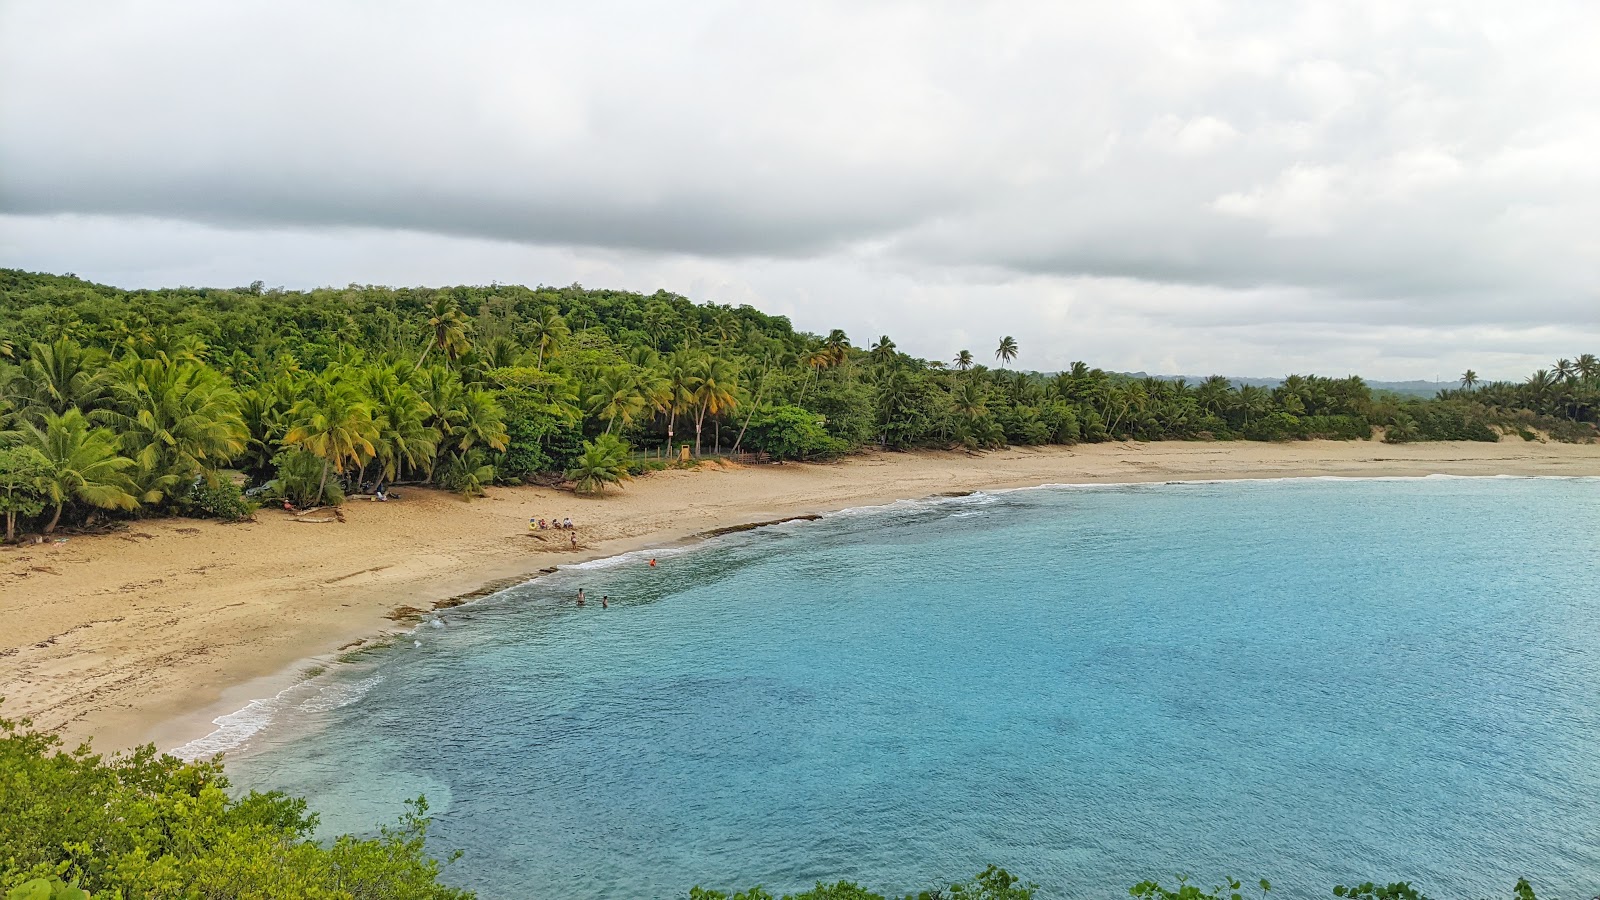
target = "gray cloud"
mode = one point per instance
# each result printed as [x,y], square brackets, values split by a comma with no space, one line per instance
[1305,185]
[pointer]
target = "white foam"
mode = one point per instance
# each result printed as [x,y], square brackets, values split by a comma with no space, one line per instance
[339,694]
[235,729]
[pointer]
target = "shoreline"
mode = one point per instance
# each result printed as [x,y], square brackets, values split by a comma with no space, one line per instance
[124,640]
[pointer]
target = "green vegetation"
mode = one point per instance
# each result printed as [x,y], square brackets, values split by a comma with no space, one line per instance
[144,825]
[145,402]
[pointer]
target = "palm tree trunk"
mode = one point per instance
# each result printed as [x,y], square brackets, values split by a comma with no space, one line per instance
[421,358]
[699,426]
[740,439]
[11,526]
[322,486]
[54,519]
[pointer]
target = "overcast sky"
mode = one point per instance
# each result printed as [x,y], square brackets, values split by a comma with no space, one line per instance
[1400,189]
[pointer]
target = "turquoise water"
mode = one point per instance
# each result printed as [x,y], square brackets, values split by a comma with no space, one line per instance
[1312,680]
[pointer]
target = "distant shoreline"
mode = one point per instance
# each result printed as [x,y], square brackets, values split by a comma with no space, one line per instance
[150,634]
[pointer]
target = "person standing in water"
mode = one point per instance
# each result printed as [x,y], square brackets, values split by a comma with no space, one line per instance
[580,596]
[605,602]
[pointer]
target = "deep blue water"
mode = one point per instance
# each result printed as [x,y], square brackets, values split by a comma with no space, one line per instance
[1314,681]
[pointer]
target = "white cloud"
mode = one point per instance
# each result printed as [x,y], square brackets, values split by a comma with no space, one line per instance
[1119,178]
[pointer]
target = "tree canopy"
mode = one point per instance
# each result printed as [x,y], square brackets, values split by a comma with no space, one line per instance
[148,402]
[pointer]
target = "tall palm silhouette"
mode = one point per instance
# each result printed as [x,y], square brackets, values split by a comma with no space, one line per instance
[1007,351]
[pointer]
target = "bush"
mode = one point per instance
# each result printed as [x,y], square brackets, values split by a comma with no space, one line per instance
[791,432]
[223,500]
[148,825]
[1338,428]
[603,462]
[465,473]
[1278,426]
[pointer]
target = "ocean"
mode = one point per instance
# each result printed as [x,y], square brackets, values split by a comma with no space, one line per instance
[1314,681]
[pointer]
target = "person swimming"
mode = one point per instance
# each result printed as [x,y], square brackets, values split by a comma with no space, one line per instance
[580,596]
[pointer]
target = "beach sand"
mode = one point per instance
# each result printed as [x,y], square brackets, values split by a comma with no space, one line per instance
[150,633]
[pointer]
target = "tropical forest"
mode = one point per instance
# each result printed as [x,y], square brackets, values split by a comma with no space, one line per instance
[208,402]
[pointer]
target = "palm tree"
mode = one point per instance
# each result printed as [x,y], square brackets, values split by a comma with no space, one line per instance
[1564,370]
[837,345]
[176,418]
[447,330]
[545,332]
[603,462]
[616,395]
[61,375]
[400,416]
[333,423]
[1588,367]
[481,422]
[467,473]
[963,360]
[1539,386]
[714,393]
[1469,379]
[1007,351]
[682,382]
[883,352]
[968,401]
[83,464]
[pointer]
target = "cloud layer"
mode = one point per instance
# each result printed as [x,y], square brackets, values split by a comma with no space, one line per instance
[1388,187]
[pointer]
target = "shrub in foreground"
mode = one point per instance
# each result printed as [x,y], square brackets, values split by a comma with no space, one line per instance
[148,825]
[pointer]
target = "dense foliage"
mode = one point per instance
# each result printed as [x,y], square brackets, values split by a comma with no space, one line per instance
[143,825]
[138,401]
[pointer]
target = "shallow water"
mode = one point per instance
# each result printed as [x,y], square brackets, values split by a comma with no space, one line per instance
[1311,680]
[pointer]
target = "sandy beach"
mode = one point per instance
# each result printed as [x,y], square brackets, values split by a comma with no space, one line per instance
[149,633]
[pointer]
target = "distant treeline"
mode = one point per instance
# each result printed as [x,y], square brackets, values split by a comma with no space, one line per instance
[133,401]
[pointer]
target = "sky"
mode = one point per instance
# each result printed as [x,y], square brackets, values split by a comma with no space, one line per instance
[1392,188]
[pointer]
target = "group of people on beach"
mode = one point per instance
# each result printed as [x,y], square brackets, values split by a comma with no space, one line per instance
[538,524]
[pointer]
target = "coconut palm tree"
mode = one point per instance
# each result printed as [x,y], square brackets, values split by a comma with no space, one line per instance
[815,360]
[1469,379]
[333,423]
[447,330]
[176,419]
[615,395]
[545,332]
[963,360]
[837,345]
[715,393]
[83,464]
[1588,367]
[404,440]
[1007,351]
[480,423]
[968,401]
[61,375]
[1564,370]
[603,462]
[682,377]
[883,352]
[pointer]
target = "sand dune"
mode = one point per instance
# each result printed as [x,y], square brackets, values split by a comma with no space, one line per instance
[147,634]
